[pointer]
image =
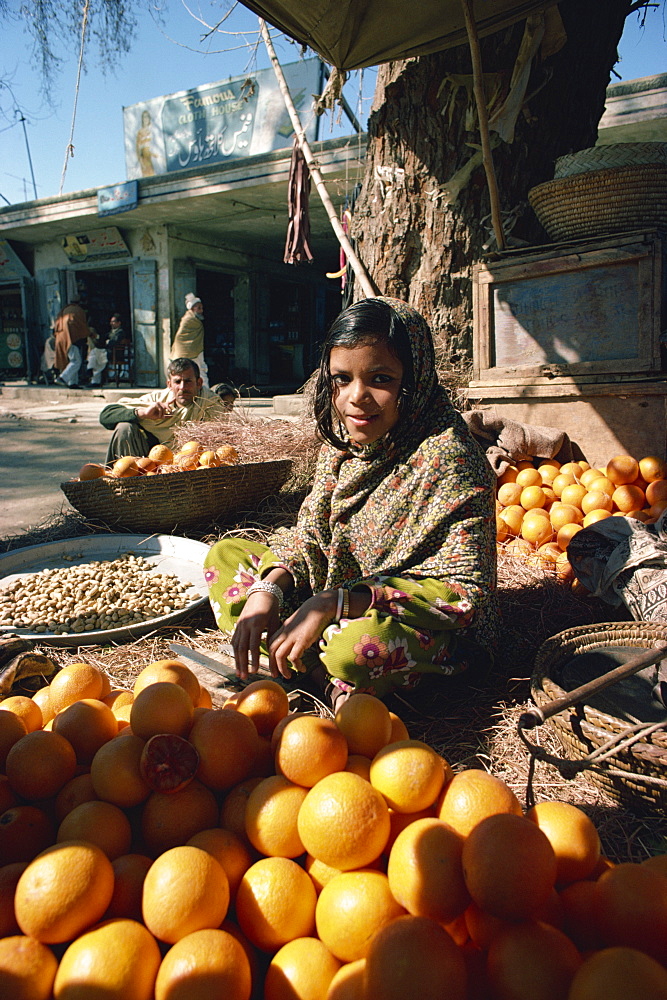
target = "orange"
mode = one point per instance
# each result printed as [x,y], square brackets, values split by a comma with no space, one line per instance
[509,475]
[308,749]
[26,709]
[562,480]
[228,454]
[7,796]
[228,850]
[118,697]
[471,796]
[532,497]
[25,830]
[528,476]
[271,817]
[191,448]
[652,468]
[185,890]
[42,699]
[589,476]
[512,517]
[564,513]
[510,493]
[232,813]
[205,964]
[548,473]
[66,889]
[115,772]
[536,528]
[12,729]
[9,877]
[170,820]
[75,681]
[622,469]
[399,821]
[573,494]
[301,970]
[578,903]
[619,974]
[415,957]
[348,983]
[572,835]
[509,866]
[87,724]
[502,530]
[399,730]
[425,872]
[409,774]
[549,554]
[365,723]
[118,960]
[77,790]
[597,501]
[129,873]
[602,485]
[125,467]
[566,533]
[572,469]
[319,872]
[205,699]
[186,461]
[631,909]
[359,764]
[160,454]
[27,969]
[265,702]
[146,465]
[209,460]
[657,863]
[627,498]
[656,491]
[594,516]
[227,744]
[39,764]
[275,903]
[168,670]
[531,961]
[344,821]
[161,707]
[100,823]
[482,927]
[351,909]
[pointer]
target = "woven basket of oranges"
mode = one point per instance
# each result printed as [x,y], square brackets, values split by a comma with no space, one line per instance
[164,492]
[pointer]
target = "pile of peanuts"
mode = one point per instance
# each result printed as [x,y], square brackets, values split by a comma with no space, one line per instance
[93,596]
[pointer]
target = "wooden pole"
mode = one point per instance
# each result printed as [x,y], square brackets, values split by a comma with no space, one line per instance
[480,99]
[367,285]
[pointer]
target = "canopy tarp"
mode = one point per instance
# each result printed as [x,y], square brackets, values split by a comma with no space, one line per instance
[350,34]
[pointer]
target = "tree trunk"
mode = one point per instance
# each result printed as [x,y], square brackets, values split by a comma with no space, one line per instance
[418,242]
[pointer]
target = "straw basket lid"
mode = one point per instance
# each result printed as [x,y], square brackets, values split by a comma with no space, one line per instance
[621,199]
[177,500]
[607,157]
[634,775]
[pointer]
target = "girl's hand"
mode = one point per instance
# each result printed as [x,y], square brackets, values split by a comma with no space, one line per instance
[289,642]
[259,615]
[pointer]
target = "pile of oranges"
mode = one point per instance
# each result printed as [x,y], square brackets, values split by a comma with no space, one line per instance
[160,459]
[156,848]
[540,507]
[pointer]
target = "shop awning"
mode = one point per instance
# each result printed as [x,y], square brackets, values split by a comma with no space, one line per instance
[350,34]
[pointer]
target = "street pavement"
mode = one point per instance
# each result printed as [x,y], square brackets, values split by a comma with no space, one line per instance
[46,435]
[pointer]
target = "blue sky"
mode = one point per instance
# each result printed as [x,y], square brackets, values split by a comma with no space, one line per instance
[162,61]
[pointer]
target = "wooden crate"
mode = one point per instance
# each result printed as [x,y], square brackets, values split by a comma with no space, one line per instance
[585,310]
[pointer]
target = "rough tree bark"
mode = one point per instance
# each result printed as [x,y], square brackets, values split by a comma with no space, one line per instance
[418,243]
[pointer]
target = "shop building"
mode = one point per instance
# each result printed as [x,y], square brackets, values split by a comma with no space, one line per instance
[217,229]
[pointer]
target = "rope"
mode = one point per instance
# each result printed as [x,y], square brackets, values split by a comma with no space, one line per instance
[69,151]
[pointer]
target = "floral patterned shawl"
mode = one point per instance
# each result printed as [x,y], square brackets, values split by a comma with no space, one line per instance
[418,509]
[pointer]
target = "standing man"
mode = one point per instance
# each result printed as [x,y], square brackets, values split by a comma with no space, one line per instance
[71,330]
[189,339]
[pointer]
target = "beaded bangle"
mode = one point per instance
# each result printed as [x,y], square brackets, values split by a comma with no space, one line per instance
[270,588]
[343,605]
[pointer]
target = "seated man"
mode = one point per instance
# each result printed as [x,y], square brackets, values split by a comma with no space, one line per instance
[139,424]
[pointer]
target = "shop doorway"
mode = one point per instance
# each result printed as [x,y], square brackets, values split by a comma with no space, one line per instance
[105,292]
[216,290]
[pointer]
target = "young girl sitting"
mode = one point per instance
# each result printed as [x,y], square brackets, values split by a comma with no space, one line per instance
[389,572]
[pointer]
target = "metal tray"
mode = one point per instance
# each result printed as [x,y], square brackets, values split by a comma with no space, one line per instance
[181,557]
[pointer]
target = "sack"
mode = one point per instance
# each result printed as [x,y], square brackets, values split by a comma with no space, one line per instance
[623,561]
[97,358]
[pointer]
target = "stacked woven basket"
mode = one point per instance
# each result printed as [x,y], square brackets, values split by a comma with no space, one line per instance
[605,189]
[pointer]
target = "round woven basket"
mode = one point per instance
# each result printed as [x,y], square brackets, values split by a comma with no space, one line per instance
[599,202]
[616,154]
[179,499]
[635,776]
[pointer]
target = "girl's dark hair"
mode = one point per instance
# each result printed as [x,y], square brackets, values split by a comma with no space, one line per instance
[368,319]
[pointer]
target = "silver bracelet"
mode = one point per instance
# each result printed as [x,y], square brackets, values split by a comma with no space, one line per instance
[270,588]
[343,605]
